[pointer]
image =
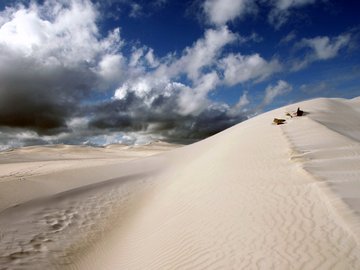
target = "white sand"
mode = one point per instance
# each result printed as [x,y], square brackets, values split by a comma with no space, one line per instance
[256,196]
[31,172]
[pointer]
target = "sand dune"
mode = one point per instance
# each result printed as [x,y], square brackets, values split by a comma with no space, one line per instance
[256,196]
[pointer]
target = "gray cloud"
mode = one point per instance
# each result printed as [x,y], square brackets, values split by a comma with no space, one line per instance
[161,116]
[40,97]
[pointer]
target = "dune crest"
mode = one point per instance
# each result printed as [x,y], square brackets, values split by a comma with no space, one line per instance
[251,197]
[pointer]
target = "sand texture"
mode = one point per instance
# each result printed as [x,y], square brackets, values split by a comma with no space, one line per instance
[255,196]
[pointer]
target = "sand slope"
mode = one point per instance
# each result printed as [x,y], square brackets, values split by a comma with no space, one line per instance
[256,196]
[36,171]
[328,144]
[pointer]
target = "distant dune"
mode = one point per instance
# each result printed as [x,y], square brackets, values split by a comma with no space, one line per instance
[255,196]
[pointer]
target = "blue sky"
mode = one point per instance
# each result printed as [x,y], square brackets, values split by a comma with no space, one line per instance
[132,71]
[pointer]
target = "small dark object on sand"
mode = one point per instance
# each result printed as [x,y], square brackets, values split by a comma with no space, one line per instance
[299,112]
[279,121]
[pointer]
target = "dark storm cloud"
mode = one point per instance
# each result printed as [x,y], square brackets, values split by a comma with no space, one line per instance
[40,97]
[133,114]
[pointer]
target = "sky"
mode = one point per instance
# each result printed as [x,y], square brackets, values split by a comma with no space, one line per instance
[135,71]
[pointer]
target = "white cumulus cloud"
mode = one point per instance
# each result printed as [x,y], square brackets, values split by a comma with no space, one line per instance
[195,101]
[111,68]
[272,91]
[203,53]
[71,35]
[241,68]
[219,12]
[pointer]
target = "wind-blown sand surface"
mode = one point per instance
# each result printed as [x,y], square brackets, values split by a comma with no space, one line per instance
[256,196]
[36,171]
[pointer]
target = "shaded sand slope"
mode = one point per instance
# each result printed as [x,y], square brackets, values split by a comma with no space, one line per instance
[36,171]
[238,200]
[328,143]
